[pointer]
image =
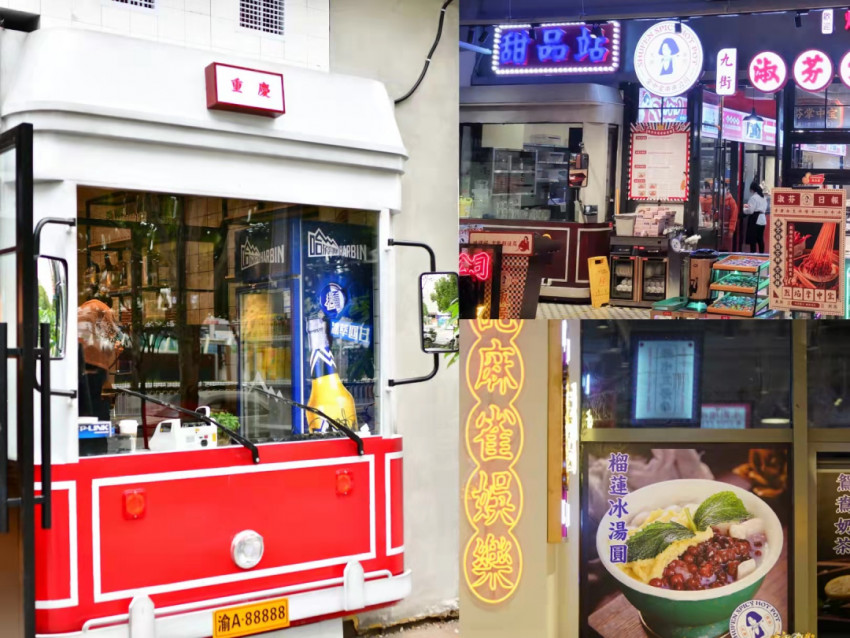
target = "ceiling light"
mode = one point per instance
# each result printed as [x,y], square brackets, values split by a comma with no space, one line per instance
[798,20]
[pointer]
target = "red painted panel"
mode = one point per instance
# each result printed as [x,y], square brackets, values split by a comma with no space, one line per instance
[396,504]
[189,523]
[53,550]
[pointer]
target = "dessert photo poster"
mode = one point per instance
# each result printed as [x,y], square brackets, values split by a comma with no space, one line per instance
[685,542]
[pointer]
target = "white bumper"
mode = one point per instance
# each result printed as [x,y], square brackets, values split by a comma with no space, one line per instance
[169,623]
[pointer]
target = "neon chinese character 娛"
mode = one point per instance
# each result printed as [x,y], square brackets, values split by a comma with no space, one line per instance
[618,485]
[514,48]
[237,85]
[553,47]
[264,91]
[496,434]
[493,499]
[497,362]
[617,531]
[492,562]
[618,462]
[591,48]
[619,554]
[617,508]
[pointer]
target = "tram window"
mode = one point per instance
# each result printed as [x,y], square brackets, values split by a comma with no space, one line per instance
[696,366]
[241,306]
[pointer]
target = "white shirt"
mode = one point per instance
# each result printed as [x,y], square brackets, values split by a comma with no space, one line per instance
[757,204]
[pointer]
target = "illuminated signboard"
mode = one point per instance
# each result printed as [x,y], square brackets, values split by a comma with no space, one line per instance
[478,266]
[727,71]
[563,48]
[493,496]
[813,70]
[668,59]
[768,72]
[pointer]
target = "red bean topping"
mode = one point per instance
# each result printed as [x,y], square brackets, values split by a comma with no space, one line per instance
[707,565]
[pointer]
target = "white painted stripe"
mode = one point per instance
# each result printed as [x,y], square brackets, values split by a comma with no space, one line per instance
[391,550]
[101,596]
[73,600]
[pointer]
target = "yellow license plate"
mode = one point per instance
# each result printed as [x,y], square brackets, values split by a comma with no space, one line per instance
[251,619]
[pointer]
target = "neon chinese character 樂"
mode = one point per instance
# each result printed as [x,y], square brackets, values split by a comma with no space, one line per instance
[492,562]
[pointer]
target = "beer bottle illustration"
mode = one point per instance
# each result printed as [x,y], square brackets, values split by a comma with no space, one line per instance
[328,394]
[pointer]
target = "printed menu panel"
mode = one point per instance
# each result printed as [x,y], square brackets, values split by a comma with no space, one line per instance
[659,162]
[687,541]
[807,250]
[833,570]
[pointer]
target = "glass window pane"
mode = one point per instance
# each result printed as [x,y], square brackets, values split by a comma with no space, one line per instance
[643,373]
[241,306]
[810,109]
[820,156]
[828,357]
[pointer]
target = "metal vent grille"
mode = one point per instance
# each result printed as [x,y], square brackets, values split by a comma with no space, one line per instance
[145,4]
[262,15]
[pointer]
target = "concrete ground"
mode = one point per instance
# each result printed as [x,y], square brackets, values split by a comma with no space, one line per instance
[447,629]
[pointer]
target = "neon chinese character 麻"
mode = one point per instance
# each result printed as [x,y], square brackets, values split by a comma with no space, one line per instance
[495,371]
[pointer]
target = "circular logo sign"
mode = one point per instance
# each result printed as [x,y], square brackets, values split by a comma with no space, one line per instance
[768,72]
[844,69]
[755,619]
[668,63]
[813,70]
[332,299]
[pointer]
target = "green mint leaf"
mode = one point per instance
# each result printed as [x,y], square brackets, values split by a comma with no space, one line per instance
[654,539]
[723,507]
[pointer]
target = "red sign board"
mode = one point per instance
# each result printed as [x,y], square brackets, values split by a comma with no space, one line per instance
[236,88]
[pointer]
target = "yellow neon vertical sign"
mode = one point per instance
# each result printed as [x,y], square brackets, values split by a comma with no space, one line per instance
[495,374]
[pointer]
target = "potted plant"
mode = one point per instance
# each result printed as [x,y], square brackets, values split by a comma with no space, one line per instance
[229,421]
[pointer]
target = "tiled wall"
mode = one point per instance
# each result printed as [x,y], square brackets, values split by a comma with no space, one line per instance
[207,24]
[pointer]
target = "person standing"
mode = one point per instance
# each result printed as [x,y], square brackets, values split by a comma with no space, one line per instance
[755,212]
[730,222]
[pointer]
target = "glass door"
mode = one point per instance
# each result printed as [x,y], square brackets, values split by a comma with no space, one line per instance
[17,373]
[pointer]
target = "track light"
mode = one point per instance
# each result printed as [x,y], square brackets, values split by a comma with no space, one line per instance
[678,27]
[798,20]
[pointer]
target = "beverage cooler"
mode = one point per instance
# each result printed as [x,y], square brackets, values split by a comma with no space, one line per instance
[639,271]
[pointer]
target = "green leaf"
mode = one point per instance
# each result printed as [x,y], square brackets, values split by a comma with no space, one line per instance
[690,524]
[723,507]
[654,539]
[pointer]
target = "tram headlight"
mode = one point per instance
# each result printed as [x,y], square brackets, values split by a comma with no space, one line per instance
[246,549]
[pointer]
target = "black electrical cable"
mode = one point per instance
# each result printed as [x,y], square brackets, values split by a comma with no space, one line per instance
[430,53]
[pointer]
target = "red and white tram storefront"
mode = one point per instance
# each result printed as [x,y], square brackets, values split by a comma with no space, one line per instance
[192,232]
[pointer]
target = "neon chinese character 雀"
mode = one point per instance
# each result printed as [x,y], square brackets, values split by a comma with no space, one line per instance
[553,48]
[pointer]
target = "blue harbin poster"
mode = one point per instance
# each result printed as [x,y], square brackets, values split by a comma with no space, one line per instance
[338,264]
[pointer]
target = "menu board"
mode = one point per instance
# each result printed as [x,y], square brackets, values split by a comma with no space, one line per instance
[659,162]
[689,541]
[666,380]
[833,570]
[807,250]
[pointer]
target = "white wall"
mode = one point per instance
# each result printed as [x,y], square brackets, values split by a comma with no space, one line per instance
[388,40]
[206,24]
